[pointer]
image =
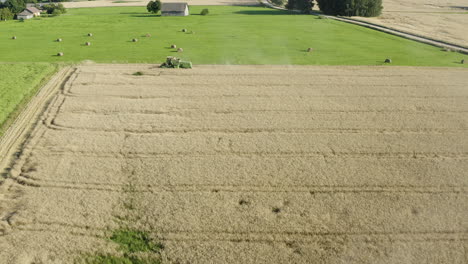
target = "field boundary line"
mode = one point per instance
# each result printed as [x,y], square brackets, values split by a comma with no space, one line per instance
[13,140]
[139,155]
[450,190]
[184,130]
[21,127]
[384,29]
[457,236]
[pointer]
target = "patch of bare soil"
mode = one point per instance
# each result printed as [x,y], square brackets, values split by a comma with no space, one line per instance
[444,20]
[246,164]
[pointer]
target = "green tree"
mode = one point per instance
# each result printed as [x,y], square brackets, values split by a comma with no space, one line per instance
[205,12]
[6,14]
[291,4]
[278,2]
[366,8]
[56,12]
[154,6]
[15,6]
[303,5]
[54,9]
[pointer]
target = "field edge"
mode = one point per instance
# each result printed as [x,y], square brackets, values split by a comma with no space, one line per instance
[16,129]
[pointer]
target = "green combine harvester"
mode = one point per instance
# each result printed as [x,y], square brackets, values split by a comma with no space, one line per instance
[173,62]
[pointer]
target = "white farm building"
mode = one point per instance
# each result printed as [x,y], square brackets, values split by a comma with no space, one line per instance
[24,15]
[174,9]
[29,13]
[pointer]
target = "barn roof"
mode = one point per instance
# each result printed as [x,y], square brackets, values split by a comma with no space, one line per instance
[24,13]
[33,10]
[174,7]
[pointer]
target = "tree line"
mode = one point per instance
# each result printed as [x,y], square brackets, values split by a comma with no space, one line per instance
[366,8]
[9,8]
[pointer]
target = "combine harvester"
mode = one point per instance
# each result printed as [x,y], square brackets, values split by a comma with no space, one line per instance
[173,62]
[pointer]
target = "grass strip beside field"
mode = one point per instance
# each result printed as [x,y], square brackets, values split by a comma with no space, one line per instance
[228,35]
[18,83]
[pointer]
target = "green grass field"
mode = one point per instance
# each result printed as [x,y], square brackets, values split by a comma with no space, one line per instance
[229,35]
[18,84]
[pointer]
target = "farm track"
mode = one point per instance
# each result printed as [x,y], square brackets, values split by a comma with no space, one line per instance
[391,29]
[244,164]
[22,125]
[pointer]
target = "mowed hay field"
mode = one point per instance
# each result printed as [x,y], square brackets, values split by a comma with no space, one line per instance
[244,164]
[228,35]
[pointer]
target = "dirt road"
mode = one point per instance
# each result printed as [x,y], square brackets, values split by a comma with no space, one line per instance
[246,164]
[445,20]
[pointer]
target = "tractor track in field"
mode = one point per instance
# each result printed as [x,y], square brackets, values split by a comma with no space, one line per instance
[227,172]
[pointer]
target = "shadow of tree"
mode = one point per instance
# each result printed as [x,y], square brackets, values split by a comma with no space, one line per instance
[266,12]
[460,7]
[147,15]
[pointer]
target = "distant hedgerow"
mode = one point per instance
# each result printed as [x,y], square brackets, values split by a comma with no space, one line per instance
[365,8]
[279,2]
[303,5]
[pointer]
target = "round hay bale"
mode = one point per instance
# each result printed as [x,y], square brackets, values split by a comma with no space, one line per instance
[60,54]
[148,35]
[88,43]
[59,40]
[135,40]
[90,34]
[447,49]
[388,60]
[14,37]
[180,50]
[310,49]
[462,61]
[173,46]
[184,30]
